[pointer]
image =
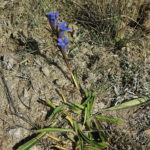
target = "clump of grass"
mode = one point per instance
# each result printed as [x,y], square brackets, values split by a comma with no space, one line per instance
[86,131]
[103,21]
[106,21]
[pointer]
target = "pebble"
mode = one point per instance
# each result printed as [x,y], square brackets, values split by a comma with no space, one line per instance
[55,101]
[15,133]
[101,105]
[45,71]
[37,62]
[36,147]
[8,61]
[25,94]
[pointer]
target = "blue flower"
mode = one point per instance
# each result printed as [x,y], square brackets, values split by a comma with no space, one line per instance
[62,29]
[63,44]
[53,18]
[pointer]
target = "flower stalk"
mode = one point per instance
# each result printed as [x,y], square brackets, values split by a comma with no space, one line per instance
[53,18]
[70,70]
[62,43]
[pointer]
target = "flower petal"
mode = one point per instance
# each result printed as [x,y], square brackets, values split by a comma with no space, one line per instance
[56,14]
[63,43]
[65,39]
[69,29]
[60,40]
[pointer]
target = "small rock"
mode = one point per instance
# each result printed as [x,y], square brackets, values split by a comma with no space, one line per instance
[15,133]
[102,105]
[25,94]
[8,61]
[36,147]
[37,62]
[45,71]
[55,101]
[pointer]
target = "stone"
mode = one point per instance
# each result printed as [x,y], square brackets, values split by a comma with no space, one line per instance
[15,133]
[25,94]
[36,147]
[8,61]
[45,71]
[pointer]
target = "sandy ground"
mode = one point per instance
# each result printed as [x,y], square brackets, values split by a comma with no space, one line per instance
[32,68]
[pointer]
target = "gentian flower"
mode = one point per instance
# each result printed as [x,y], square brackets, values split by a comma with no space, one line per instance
[53,18]
[63,44]
[62,29]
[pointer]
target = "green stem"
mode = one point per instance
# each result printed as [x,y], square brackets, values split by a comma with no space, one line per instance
[70,70]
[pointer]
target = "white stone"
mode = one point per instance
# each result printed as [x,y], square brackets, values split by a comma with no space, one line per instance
[45,71]
[25,93]
[35,147]
[15,133]
[8,61]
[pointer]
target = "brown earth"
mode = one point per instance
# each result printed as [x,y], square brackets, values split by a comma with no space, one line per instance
[32,68]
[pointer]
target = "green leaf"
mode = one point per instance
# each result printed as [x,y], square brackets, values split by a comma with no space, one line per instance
[85,115]
[93,143]
[91,148]
[76,76]
[87,112]
[53,130]
[76,128]
[86,101]
[86,93]
[71,138]
[74,107]
[89,99]
[100,131]
[56,110]
[91,103]
[129,104]
[48,102]
[80,142]
[32,142]
[112,120]
[80,106]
